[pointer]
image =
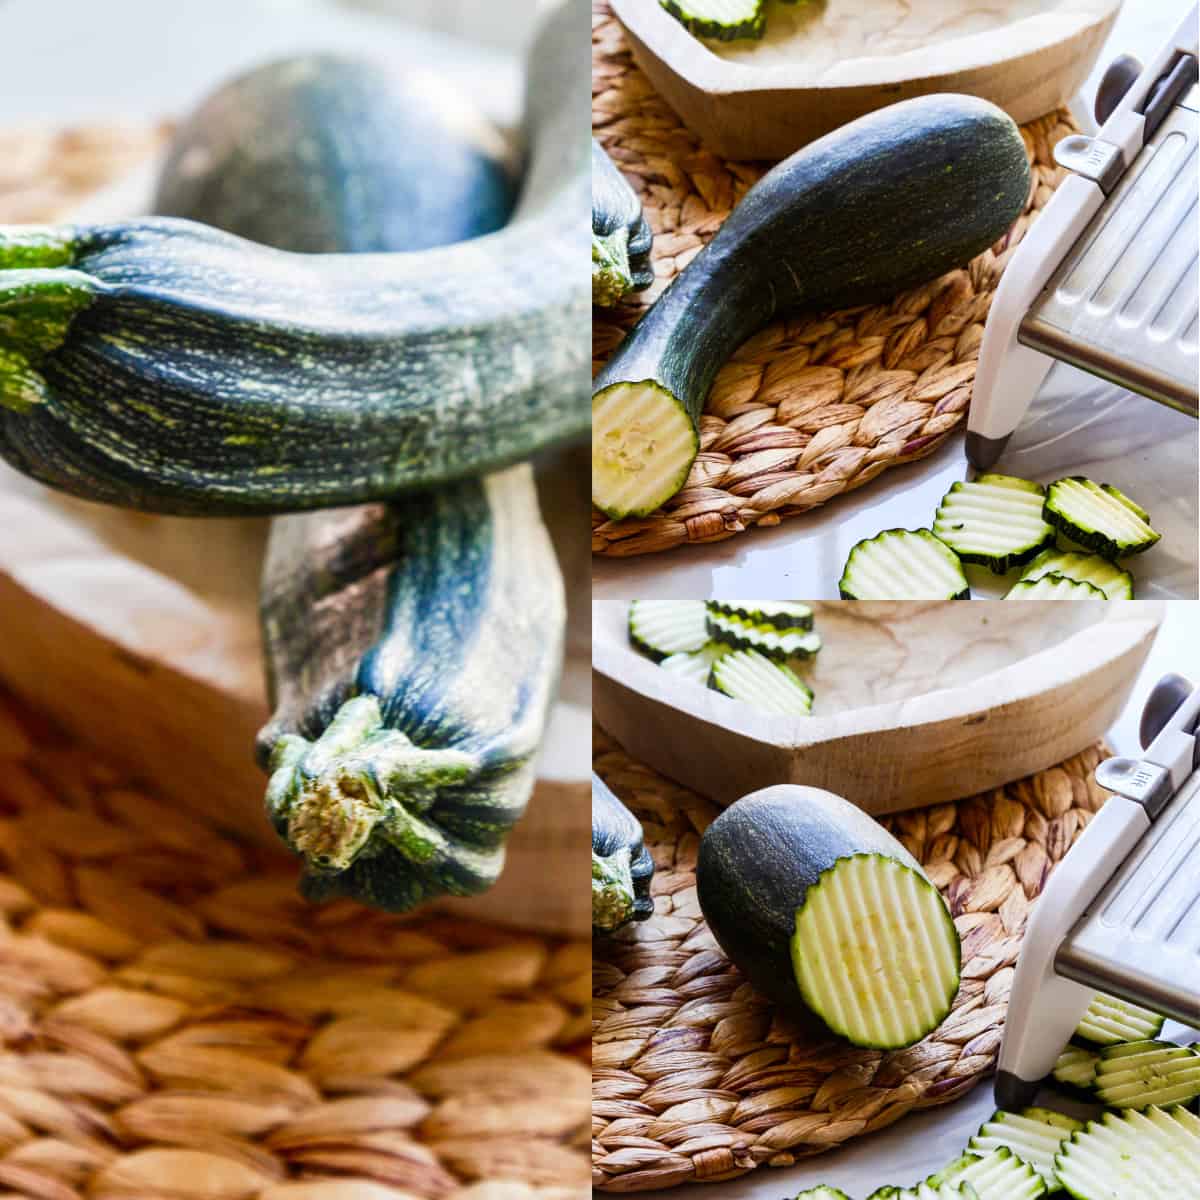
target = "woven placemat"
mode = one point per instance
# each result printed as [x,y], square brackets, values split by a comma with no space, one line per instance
[179,1025]
[696,1078]
[813,406]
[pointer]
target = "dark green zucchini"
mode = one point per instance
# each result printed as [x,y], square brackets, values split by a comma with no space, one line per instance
[890,200]
[828,915]
[621,239]
[621,865]
[167,366]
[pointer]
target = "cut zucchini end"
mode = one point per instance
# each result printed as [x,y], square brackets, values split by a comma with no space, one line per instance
[903,564]
[875,952]
[643,446]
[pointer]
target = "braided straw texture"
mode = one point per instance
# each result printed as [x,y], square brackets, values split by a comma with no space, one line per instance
[178,1025]
[695,1078]
[815,405]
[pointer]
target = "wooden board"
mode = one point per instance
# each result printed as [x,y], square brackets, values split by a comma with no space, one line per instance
[1028,68]
[916,703]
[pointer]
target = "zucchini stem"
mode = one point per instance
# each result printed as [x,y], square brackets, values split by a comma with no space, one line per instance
[612,277]
[25,247]
[612,890]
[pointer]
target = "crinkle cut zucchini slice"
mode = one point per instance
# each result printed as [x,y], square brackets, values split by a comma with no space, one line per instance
[724,20]
[1053,586]
[1113,581]
[753,678]
[995,520]
[663,627]
[1100,517]
[903,564]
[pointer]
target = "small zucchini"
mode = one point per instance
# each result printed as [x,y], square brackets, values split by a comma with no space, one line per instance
[621,865]
[621,239]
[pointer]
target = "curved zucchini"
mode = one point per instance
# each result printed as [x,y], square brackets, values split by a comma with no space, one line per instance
[890,200]
[163,365]
[621,865]
[621,239]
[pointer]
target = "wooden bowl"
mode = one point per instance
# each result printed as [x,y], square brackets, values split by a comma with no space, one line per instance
[916,704]
[742,110]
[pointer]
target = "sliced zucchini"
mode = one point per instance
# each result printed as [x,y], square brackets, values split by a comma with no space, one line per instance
[822,1193]
[644,444]
[1114,582]
[724,20]
[1141,1074]
[875,952]
[1109,1021]
[753,678]
[997,1175]
[782,614]
[694,665]
[903,564]
[663,627]
[1100,517]
[995,520]
[1151,1155]
[1034,1135]
[1075,1070]
[779,644]
[1053,586]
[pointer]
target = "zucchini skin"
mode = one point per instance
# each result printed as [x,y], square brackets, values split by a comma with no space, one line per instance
[891,200]
[621,865]
[166,366]
[621,238]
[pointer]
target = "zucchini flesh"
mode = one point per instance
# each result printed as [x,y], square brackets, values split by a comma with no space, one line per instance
[775,643]
[782,614]
[724,20]
[1075,1069]
[998,1175]
[754,679]
[694,665]
[1053,586]
[821,1193]
[659,628]
[995,521]
[1100,517]
[1034,1135]
[875,952]
[903,564]
[1151,1155]
[1140,1074]
[1109,1021]
[1115,583]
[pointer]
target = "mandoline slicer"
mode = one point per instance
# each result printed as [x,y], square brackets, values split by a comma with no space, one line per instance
[1121,913]
[1106,278]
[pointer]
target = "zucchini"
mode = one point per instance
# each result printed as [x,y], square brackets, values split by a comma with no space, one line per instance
[903,564]
[782,614]
[621,238]
[1115,583]
[1141,1074]
[621,865]
[1109,1021]
[1034,1135]
[1053,586]
[775,643]
[995,521]
[756,680]
[822,1193]
[163,365]
[828,915]
[1151,1155]
[1100,517]
[1075,1071]
[997,1175]
[893,199]
[724,20]
[659,628]
[694,665]
[327,154]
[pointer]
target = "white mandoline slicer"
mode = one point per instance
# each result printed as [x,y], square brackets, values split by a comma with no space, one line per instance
[1106,278]
[1121,913]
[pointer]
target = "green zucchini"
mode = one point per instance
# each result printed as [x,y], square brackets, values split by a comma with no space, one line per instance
[694,665]
[163,365]
[621,865]
[890,200]
[1139,1074]
[1075,1071]
[771,640]
[821,1193]
[724,20]
[1100,517]
[621,238]
[782,614]
[1109,1021]
[659,628]
[829,916]
[756,680]
[994,520]
[1114,582]
[903,564]
[1034,1135]
[1053,586]
[997,1175]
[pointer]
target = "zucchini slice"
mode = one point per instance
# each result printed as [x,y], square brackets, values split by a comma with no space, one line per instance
[927,1191]
[753,678]
[782,614]
[724,20]
[1109,1021]
[694,665]
[659,628]
[1141,1074]
[997,1175]
[1115,583]
[995,520]
[1053,586]
[1075,1070]
[1100,517]
[1151,1155]
[903,564]
[822,1193]
[1034,1135]
[779,644]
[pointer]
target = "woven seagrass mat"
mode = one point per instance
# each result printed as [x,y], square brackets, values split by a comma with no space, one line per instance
[815,405]
[178,1025]
[696,1078]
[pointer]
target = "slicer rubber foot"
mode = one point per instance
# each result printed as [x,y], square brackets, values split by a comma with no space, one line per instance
[982,451]
[1014,1093]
